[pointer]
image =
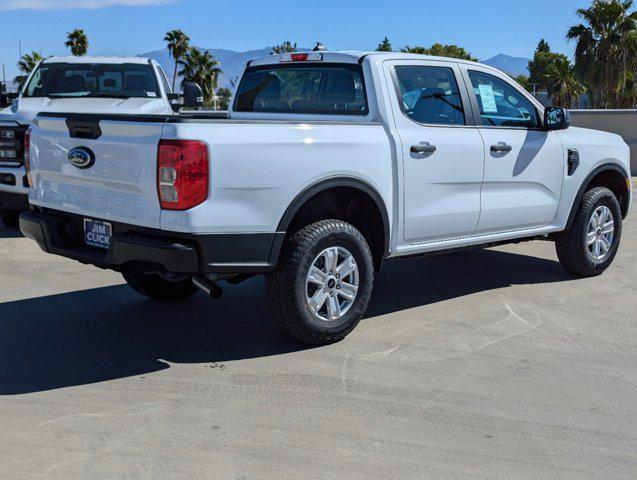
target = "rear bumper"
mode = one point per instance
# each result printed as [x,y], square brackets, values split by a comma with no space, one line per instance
[134,247]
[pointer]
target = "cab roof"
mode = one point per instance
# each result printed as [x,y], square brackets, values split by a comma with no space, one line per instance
[354,56]
[105,60]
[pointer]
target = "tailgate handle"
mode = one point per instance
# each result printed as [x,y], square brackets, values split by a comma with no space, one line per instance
[84,129]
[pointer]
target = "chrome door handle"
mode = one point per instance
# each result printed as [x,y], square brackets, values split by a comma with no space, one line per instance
[501,147]
[424,147]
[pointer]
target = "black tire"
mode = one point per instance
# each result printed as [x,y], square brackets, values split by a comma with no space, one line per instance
[10,217]
[159,287]
[571,245]
[286,287]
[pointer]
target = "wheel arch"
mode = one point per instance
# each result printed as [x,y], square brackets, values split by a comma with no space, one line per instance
[609,175]
[335,183]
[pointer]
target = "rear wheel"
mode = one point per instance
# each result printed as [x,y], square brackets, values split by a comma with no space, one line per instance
[322,284]
[10,217]
[164,286]
[589,247]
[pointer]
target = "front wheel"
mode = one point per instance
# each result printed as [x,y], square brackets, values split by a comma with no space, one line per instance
[323,283]
[589,247]
[165,286]
[10,217]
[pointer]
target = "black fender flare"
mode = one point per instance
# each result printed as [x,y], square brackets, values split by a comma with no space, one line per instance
[335,182]
[583,188]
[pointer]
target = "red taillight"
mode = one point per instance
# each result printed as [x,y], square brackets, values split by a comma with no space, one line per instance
[182,174]
[27,151]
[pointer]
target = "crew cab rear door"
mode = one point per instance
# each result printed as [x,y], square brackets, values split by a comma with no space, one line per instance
[442,152]
[97,166]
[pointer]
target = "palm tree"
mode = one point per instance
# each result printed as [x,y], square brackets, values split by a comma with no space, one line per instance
[77,41]
[201,67]
[606,49]
[285,47]
[26,65]
[178,46]
[562,83]
[224,95]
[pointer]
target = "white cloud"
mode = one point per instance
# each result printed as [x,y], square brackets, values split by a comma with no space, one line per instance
[68,4]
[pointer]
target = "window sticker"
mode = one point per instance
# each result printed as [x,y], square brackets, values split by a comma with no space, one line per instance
[151,94]
[488,99]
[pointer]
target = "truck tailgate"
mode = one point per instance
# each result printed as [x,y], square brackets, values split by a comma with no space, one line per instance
[119,183]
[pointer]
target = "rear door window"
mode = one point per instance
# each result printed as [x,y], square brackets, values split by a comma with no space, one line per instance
[327,89]
[430,95]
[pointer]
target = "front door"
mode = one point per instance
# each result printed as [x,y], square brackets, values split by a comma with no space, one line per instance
[523,164]
[443,155]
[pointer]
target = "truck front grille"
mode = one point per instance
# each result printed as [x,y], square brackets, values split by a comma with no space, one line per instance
[12,146]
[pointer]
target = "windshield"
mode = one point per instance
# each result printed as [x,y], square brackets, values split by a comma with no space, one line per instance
[62,80]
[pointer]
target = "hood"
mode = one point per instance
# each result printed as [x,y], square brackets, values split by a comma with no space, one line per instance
[589,136]
[23,110]
[597,147]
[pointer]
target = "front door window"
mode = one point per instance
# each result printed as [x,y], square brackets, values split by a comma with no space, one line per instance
[502,105]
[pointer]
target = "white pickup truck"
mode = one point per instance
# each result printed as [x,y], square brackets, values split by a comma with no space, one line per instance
[329,163]
[81,85]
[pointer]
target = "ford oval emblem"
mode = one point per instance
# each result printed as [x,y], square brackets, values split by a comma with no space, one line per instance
[81,157]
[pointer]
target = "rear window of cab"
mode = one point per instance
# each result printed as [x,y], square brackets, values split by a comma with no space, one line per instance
[309,88]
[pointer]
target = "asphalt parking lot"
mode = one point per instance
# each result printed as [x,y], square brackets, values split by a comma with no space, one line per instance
[485,364]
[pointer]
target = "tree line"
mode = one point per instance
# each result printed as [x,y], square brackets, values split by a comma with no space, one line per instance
[604,65]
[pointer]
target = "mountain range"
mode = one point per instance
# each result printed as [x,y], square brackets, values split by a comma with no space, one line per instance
[514,66]
[232,62]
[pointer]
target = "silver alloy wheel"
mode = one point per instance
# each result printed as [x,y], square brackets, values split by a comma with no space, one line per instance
[332,283]
[600,234]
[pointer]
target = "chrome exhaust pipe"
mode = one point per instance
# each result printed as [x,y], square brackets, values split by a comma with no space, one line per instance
[206,285]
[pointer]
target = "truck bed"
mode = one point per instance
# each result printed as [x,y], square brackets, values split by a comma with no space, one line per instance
[257,168]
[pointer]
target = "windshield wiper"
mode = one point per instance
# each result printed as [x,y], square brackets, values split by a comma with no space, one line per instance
[63,95]
[108,95]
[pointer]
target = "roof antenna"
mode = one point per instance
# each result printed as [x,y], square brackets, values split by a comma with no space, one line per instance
[319,47]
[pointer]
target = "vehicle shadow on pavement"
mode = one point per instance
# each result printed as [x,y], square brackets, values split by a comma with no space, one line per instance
[9,232]
[409,283]
[108,333]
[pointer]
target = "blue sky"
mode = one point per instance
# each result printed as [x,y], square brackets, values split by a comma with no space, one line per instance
[128,27]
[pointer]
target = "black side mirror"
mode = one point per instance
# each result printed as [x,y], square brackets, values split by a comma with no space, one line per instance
[7,98]
[193,95]
[175,101]
[556,118]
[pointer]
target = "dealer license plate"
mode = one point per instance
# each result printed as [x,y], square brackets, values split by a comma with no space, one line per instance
[97,233]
